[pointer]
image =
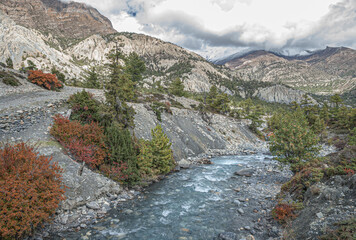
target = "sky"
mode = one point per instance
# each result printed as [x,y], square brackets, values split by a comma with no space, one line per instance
[217,28]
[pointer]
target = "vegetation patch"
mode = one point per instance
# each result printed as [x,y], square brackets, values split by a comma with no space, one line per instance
[31,189]
[46,80]
[345,230]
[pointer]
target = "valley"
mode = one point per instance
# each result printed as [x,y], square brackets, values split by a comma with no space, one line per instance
[120,135]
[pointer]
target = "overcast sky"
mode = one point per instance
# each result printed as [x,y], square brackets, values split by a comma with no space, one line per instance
[222,27]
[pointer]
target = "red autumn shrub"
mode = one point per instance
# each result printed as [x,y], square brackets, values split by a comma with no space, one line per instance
[85,142]
[116,171]
[46,80]
[283,212]
[31,189]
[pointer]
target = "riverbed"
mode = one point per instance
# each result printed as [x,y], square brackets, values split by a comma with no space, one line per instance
[202,202]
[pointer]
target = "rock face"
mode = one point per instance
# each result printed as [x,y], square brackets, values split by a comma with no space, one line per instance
[66,20]
[194,137]
[324,72]
[280,94]
[22,44]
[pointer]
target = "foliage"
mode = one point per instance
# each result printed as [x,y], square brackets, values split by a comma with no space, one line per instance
[352,137]
[122,151]
[31,189]
[293,141]
[9,63]
[8,79]
[46,80]
[284,212]
[158,107]
[31,65]
[345,230]
[135,67]
[177,87]
[85,142]
[216,101]
[341,163]
[119,90]
[91,79]
[84,107]
[161,148]
[302,180]
[145,159]
[61,77]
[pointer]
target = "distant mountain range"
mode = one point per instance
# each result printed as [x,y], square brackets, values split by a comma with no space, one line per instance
[73,36]
[327,71]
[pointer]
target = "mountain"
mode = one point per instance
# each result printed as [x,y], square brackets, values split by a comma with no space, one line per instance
[328,71]
[66,21]
[72,37]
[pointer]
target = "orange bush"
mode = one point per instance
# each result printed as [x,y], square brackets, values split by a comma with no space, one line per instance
[85,142]
[46,80]
[283,212]
[31,189]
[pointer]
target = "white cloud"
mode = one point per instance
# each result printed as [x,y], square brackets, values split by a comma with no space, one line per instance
[230,24]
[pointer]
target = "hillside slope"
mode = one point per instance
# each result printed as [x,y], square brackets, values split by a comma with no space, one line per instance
[327,71]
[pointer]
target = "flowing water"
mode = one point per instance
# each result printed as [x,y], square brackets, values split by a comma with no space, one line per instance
[197,203]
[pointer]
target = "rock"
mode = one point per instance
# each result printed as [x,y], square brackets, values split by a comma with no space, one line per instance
[248,228]
[241,211]
[184,164]
[247,172]
[93,205]
[319,215]
[227,236]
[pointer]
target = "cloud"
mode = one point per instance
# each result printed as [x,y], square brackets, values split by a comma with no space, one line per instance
[237,24]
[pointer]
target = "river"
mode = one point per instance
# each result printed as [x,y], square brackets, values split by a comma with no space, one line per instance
[198,203]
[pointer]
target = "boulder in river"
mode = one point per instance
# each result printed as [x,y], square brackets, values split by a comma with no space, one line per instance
[184,163]
[247,172]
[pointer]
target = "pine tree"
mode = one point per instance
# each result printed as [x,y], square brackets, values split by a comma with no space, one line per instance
[91,79]
[135,67]
[122,151]
[177,88]
[119,90]
[161,148]
[293,141]
[61,77]
[145,159]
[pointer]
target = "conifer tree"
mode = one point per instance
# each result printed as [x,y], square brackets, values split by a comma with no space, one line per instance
[119,90]
[177,88]
[145,159]
[135,67]
[293,141]
[91,79]
[161,148]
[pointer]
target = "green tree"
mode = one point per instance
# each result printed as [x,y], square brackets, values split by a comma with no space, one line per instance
[161,148]
[9,63]
[61,77]
[145,159]
[217,102]
[135,67]
[122,151]
[255,117]
[293,141]
[91,79]
[119,90]
[31,65]
[177,87]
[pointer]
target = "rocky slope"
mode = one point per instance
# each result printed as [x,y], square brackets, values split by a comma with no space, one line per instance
[280,94]
[52,39]
[22,44]
[323,72]
[64,20]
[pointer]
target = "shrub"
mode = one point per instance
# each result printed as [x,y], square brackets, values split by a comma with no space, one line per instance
[84,107]
[45,80]
[345,230]
[31,189]
[302,180]
[11,81]
[9,63]
[283,212]
[85,142]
